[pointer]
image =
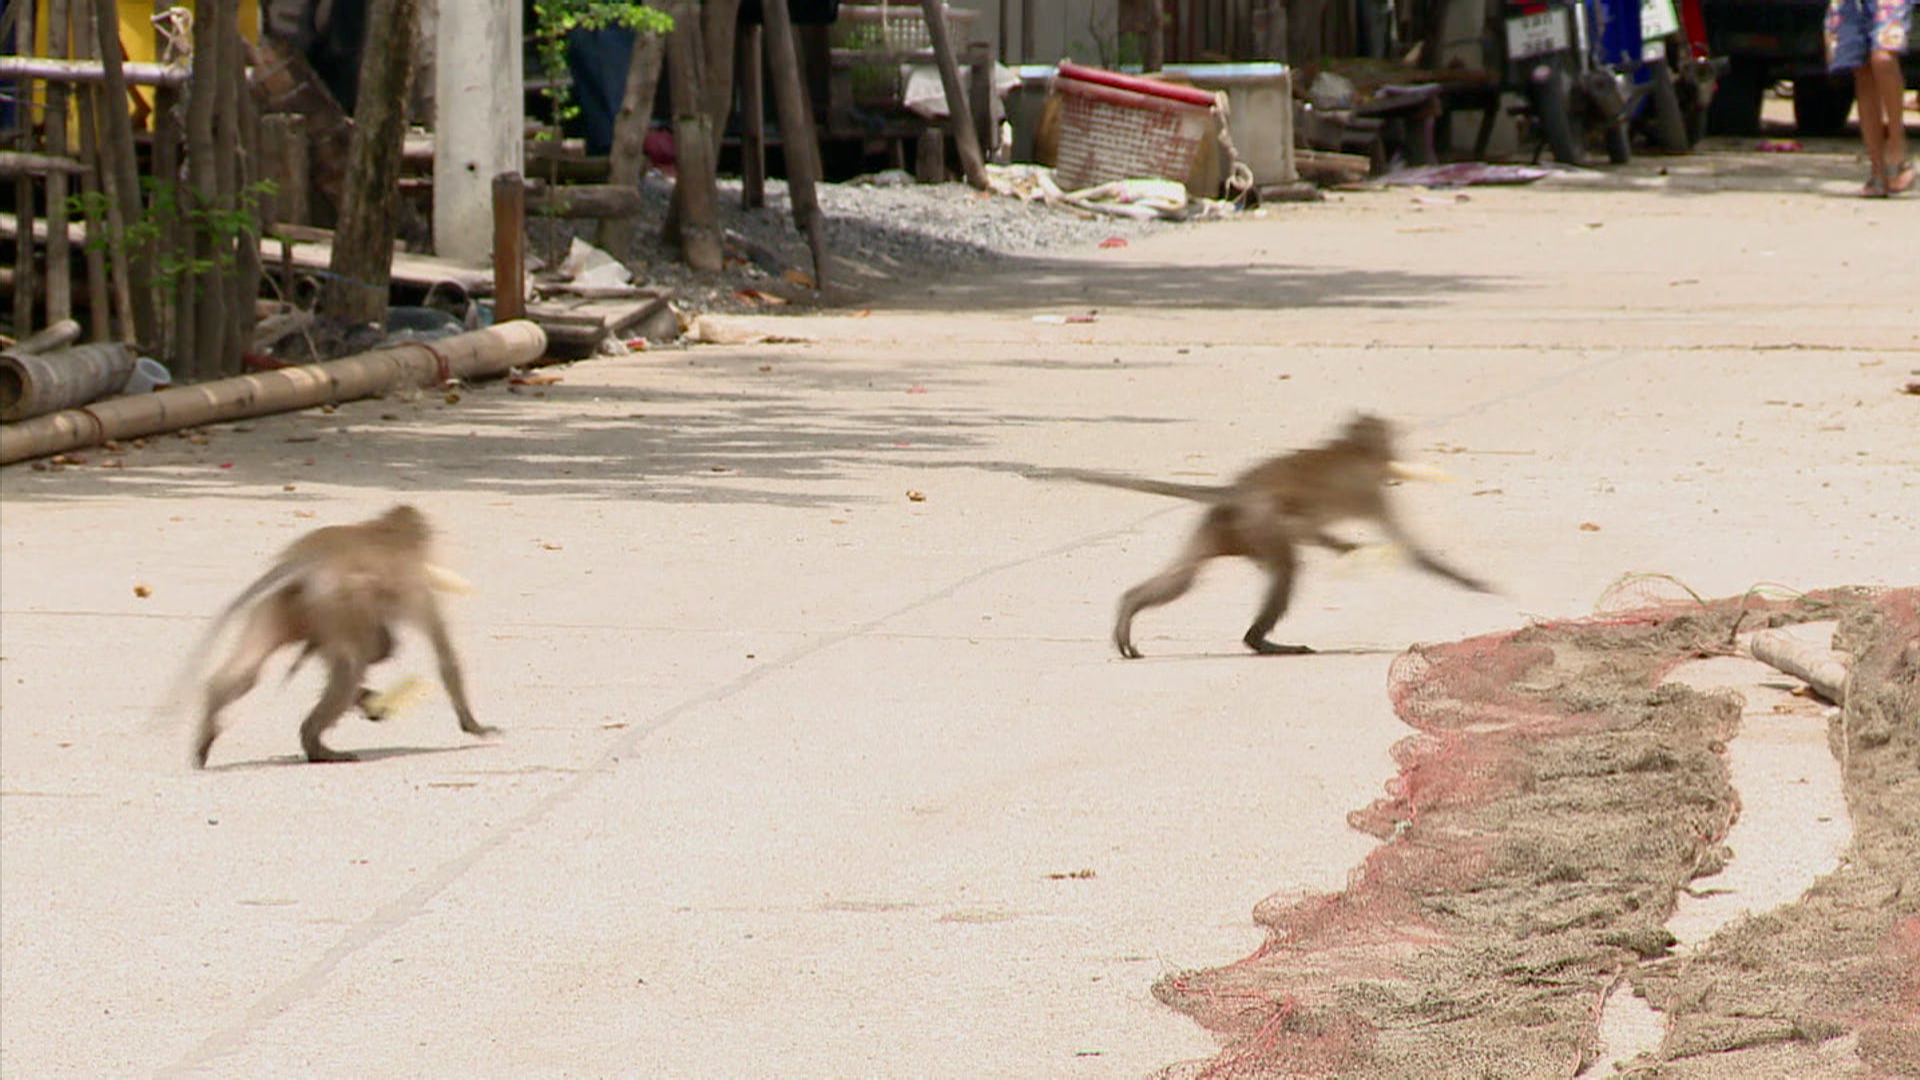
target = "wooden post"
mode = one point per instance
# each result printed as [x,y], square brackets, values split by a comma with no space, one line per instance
[696,186]
[718,21]
[751,66]
[59,257]
[509,247]
[627,160]
[283,159]
[123,172]
[479,128]
[201,303]
[797,140]
[99,302]
[23,247]
[362,264]
[240,128]
[966,137]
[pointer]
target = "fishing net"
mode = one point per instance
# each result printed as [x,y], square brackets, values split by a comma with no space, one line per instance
[1554,798]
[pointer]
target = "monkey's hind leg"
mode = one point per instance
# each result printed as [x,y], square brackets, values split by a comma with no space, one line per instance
[1214,538]
[343,685]
[1280,568]
[267,628]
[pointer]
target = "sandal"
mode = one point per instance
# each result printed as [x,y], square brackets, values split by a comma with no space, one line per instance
[1875,187]
[1903,180]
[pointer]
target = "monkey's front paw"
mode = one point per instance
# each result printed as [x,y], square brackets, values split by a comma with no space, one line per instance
[485,731]
[324,756]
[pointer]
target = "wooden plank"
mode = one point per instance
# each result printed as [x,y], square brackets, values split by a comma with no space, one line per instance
[17,163]
[419,271]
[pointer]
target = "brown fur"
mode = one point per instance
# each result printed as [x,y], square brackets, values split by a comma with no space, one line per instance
[339,592]
[1271,509]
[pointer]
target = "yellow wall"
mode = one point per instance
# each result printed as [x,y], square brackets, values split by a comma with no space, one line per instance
[137,34]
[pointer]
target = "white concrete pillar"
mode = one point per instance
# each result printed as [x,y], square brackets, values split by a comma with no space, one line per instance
[479,123]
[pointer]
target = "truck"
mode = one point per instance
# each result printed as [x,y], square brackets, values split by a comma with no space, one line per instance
[1770,41]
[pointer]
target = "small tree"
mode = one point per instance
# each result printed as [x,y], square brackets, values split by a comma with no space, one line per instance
[555,19]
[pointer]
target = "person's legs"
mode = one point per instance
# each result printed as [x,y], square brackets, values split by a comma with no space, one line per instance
[1885,81]
[1873,125]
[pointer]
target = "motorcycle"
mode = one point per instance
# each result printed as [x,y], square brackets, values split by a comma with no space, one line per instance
[1550,50]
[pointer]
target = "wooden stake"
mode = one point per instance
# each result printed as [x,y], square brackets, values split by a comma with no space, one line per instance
[966,136]
[123,169]
[362,265]
[627,160]
[99,303]
[751,66]
[59,257]
[509,247]
[798,143]
[23,247]
[696,186]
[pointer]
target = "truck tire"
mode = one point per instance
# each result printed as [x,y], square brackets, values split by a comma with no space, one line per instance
[1735,109]
[1821,105]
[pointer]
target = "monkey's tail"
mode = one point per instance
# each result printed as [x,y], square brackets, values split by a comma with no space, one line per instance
[1206,493]
[197,659]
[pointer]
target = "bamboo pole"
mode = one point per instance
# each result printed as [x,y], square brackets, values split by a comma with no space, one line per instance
[627,160]
[476,355]
[362,266]
[966,136]
[23,249]
[1825,670]
[167,135]
[59,254]
[123,170]
[201,305]
[87,72]
[695,187]
[798,143]
[99,302]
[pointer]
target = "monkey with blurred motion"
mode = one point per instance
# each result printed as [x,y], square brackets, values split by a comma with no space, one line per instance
[340,592]
[1267,512]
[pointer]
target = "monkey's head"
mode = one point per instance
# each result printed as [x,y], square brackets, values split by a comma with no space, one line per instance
[1370,435]
[406,525]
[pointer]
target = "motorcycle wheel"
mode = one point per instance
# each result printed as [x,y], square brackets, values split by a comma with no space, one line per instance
[1553,107]
[1669,124]
[1619,143]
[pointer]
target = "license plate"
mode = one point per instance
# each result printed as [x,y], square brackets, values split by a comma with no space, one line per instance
[1658,19]
[1542,32]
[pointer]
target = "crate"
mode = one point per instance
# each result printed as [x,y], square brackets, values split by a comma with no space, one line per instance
[1120,127]
[892,33]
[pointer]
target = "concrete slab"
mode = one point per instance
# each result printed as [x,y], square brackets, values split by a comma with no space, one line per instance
[793,762]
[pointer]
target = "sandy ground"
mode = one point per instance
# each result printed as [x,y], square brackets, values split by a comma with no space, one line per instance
[804,777]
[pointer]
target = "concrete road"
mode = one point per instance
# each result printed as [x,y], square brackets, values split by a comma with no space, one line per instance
[805,776]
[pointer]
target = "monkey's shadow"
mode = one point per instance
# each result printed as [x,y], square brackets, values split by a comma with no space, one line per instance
[360,757]
[1354,650]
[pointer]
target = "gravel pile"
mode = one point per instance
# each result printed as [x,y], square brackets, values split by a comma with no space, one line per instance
[882,232]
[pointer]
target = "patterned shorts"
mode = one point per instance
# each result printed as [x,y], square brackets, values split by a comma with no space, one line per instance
[1856,28]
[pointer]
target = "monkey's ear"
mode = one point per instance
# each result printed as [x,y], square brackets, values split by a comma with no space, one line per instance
[447,581]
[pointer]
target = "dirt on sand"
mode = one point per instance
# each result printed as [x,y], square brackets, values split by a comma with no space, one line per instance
[1557,798]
